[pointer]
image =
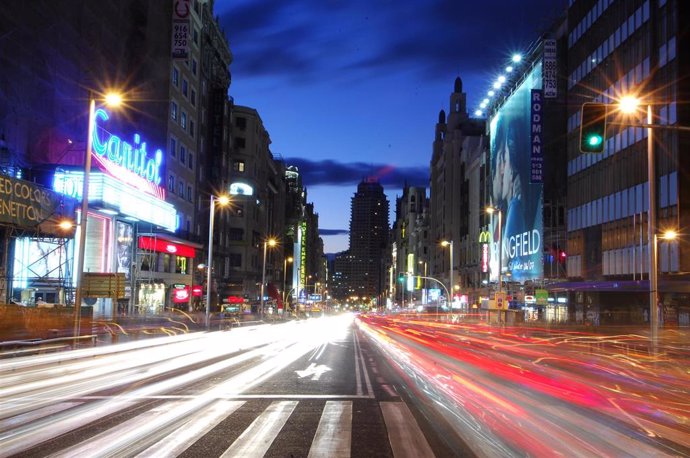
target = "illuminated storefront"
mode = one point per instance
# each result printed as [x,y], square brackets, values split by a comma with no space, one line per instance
[125,197]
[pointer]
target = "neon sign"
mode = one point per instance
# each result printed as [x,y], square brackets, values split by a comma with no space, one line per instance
[127,162]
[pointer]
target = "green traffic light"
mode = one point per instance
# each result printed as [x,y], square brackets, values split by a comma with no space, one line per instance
[595,140]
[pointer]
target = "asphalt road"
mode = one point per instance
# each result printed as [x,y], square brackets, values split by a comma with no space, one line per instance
[315,388]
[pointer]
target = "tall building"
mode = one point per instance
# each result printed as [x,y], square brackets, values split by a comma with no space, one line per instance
[369,233]
[615,49]
[257,211]
[409,238]
[458,140]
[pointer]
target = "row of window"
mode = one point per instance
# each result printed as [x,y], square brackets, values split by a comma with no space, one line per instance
[164,262]
[625,30]
[187,92]
[622,204]
[180,188]
[185,156]
[182,118]
[587,21]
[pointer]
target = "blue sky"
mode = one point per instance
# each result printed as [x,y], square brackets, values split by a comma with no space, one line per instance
[352,88]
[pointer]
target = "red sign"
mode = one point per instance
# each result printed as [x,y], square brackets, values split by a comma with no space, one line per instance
[197,291]
[180,295]
[165,246]
[485,257]
[234,300]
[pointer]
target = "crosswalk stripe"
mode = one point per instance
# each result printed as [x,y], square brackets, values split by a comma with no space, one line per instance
[334,434]
[404,434]
[259,436]
[190,432]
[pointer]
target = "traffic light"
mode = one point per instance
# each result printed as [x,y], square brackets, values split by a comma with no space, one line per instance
[593,127]
[401,278]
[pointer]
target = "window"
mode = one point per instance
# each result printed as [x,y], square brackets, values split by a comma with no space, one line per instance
[191,160]
[185,87]
[183,154]
[173,147]
[191,128]
[194,64]
[173,110]
[180,188]
[146,262]
[176,77]
[192,97]
[166,262]
[236,233]
[238,166]
[195,36]
[235,260]
[183,120]
[241,123]
[171,183]
[240,142]
[180,265]
[189,193]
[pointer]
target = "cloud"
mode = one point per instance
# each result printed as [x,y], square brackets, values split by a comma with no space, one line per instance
[330,172]
[308,41]
[326,232]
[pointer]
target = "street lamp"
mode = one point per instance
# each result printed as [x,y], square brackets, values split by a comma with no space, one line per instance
[110,99]
[267,243]
[490,211]
[285,263]
[653,311]
[628,105]
[223,200]
[424,294]
[450,244]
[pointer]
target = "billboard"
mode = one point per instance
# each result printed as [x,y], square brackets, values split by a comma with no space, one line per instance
[520,201]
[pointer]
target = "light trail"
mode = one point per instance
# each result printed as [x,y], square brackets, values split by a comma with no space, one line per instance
[531,391]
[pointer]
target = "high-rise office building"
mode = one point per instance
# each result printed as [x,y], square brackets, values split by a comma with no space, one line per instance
[616,49]
[369,232]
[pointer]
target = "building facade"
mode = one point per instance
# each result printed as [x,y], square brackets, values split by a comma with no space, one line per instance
[617,49]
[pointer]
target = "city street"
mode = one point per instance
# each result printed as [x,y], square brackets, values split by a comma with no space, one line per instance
[304,388]
[361,386]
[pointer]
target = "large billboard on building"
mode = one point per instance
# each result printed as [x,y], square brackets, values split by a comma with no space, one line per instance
[520,202]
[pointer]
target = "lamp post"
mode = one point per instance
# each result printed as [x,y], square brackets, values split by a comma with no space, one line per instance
[491,210]
[111,99]
[222,200]
[450,244]
[267,243]
[425,274]
[289,259]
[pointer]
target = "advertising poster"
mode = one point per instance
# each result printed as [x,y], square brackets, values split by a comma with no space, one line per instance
[519,201]
[124,246]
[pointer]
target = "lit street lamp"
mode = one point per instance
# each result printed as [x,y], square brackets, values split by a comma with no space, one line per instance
[285,263]
[267,243]
[223,200]
[450,244]
[110,99]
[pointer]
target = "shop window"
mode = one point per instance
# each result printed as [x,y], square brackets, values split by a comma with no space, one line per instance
[166,262]
[180,265]
[147,263]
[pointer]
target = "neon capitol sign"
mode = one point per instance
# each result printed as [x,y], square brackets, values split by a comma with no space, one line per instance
[127,162]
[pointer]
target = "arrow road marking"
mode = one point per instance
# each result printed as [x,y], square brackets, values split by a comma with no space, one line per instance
[314,370]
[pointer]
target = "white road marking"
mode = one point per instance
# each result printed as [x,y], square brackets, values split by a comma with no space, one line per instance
[404,434]
[258,437]
[184,436]
[333,436]
[314,370]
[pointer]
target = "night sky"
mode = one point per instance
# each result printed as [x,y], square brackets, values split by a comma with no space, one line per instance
[349,89]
